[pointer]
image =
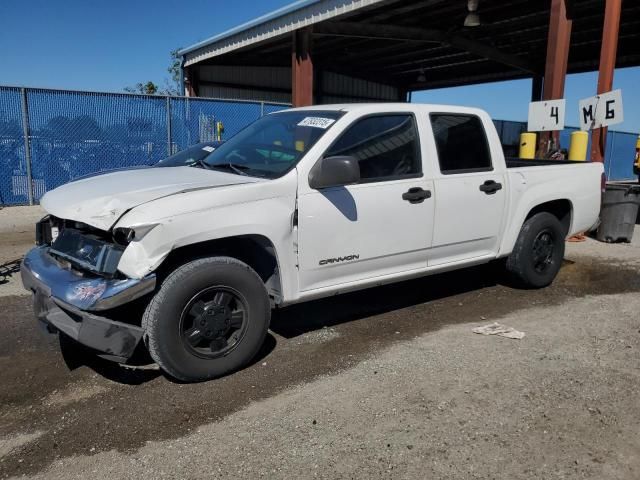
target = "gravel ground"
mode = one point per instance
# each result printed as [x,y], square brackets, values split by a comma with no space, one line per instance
[16,236]
[387,383]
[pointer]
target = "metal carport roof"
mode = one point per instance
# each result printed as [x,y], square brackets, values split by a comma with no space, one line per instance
[416,45]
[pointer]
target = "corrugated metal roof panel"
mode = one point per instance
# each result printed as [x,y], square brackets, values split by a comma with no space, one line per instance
[231,93]
[345,86]
[267,77]
[280,22]
[274,84]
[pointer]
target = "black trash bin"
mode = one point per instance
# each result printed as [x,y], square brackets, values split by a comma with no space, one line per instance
[619,212]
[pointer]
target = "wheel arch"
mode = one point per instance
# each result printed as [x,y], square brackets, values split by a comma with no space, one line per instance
[255,250]
[562,209]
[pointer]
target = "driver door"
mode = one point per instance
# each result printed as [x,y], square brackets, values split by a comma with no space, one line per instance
[374,228]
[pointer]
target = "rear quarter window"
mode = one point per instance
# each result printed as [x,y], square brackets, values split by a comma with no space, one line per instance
[461,143]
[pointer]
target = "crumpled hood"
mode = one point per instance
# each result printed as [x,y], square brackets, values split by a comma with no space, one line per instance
[99,201]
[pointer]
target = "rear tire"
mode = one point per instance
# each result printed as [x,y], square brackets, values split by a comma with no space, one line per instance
[209,318]
[538,253]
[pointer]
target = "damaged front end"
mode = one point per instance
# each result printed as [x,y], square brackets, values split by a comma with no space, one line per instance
[74,278]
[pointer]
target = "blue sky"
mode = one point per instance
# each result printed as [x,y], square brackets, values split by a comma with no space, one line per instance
[91,45]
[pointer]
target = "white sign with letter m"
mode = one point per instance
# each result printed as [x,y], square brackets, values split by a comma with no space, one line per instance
[601,111]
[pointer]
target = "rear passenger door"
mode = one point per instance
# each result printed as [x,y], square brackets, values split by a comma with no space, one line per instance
[470,194]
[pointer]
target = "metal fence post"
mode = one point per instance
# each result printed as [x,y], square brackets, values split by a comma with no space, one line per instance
[262,109]
[169,133]
[27,143]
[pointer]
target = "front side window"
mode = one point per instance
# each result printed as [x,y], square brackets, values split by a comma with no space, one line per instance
[273,145]
[461,143]
[386,146]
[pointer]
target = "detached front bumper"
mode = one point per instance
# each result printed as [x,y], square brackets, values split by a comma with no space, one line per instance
[67,301]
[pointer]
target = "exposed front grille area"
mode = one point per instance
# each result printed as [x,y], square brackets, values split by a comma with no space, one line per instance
[80,246]
[87,251]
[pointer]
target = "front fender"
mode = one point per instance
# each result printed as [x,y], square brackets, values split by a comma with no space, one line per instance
[143,257]
[269,217]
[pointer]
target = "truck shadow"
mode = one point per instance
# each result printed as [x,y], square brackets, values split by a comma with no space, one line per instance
[408,304]
[296,320]
[299,319]
[141,367]
[576,279]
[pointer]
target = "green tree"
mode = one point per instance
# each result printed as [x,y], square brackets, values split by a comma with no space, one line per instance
[147,88]
[175,72]
[171,84]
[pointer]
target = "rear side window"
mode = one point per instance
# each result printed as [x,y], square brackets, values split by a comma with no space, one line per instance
[386,147]
[461,143]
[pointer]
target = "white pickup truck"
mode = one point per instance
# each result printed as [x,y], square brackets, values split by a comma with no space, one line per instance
[302,204]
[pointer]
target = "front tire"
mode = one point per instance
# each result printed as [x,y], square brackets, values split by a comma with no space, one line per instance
[538,253]
[209,318]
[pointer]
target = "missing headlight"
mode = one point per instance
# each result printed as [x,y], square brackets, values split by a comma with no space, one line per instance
[123,236]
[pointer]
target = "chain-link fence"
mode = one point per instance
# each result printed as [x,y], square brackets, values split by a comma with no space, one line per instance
[75,133]
[71,134]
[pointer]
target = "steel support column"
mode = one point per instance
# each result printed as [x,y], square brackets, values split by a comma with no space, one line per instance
[301,69]
[607,65]
[555,71]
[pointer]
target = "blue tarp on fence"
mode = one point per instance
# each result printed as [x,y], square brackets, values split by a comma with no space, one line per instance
[75,133]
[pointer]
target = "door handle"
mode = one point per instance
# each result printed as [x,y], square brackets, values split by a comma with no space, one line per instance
[416,195]
[490,187]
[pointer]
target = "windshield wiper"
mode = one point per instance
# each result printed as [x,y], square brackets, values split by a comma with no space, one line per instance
[235,167]
[201,163]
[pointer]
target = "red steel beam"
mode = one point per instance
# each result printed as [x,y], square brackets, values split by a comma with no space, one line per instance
[555,71]
[607,65]
[301,69]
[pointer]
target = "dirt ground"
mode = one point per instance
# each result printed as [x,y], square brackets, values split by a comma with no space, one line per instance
[386,383]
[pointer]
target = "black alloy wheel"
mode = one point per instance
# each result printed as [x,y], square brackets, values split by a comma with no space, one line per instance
[537,254]
[543,248]
[214,322]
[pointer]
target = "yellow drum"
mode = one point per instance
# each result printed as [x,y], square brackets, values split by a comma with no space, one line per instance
[527,145]
[578,146]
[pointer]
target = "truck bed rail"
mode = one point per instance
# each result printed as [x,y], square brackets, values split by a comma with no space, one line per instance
[515,162]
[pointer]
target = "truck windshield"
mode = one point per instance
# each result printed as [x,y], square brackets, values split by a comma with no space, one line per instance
[273,145]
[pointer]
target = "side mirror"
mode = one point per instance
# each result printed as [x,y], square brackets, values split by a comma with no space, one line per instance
[334,172]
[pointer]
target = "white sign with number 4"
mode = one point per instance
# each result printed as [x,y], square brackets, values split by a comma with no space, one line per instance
[546,115]
[601,111]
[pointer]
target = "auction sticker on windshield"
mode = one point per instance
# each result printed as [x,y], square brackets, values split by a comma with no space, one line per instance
[317,122]
[207,148]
